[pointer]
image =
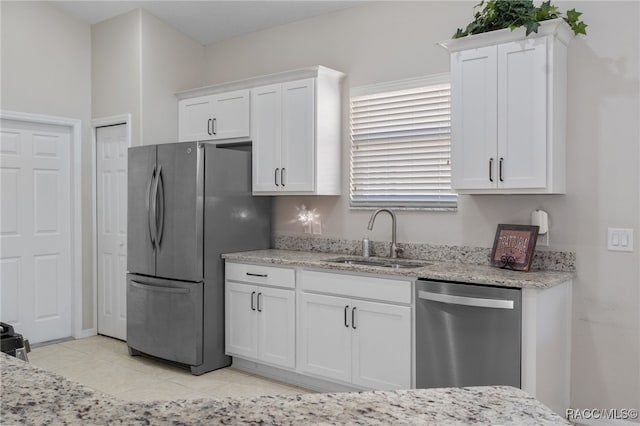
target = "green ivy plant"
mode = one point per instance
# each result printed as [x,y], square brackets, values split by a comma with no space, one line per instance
[512,14]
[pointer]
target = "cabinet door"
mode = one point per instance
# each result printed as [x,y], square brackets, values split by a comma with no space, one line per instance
[325,336]
[266,132]
[230,116]
[298,136]
[276,326]
[474,159]
[241,321]
[195,119]
[381,345]
[522,114]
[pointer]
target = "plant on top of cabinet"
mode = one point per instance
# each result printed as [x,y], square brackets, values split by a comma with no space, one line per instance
[512,14]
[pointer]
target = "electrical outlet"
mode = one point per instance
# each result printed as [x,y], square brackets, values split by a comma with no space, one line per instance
[619,239]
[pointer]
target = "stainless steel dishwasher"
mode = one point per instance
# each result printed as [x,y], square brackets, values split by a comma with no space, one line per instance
[467,335]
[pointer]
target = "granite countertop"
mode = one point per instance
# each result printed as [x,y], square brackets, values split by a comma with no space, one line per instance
[32,396]
[436,270]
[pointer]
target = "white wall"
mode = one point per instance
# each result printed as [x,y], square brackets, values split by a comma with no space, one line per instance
[170,62]
[46,69]
[139,62]
[115,73]
[385,41]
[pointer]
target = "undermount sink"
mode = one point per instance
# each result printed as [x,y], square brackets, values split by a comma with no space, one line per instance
[384,263]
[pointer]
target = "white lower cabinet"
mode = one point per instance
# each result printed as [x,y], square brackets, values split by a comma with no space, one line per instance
[325,336]
[367,344]
[381,346]
[241,320]
[333,329]
[260,323]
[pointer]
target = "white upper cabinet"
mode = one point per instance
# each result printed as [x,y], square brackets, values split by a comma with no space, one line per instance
[266,109]
[296,134]
[211,117]
[293,119]
[509,111]
[283,132]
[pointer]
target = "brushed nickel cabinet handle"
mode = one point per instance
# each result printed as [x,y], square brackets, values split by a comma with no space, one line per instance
[500,169]
[275,176]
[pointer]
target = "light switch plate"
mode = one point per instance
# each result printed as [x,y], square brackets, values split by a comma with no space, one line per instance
[619,239]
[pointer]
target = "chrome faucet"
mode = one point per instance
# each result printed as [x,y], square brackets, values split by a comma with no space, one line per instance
[395,250]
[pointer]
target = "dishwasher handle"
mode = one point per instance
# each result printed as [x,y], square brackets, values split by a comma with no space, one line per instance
[466,301]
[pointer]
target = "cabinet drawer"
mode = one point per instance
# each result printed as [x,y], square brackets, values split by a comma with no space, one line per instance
[384,289]
[260,274]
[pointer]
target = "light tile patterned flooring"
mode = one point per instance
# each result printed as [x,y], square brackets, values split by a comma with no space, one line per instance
[103,363]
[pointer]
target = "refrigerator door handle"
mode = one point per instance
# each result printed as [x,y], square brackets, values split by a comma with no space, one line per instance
[154,208]
[160,222]
[150,209]
[162,289]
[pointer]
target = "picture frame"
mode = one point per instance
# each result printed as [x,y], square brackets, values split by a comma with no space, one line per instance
[513,246]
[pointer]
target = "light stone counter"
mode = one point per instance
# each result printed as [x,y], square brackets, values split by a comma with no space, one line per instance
[32,396]
[433,269]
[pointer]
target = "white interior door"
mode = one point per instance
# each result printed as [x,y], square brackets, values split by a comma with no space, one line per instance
[35,229]
[111,208]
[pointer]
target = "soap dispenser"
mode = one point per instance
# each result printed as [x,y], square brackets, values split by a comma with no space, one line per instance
[365,246]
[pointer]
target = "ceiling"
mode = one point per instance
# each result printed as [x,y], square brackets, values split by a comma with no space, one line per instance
[208,21]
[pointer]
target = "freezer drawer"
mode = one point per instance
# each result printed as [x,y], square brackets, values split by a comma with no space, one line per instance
[164,318]
[467,335]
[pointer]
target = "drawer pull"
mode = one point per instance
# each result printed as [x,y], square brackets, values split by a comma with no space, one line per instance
[251,274]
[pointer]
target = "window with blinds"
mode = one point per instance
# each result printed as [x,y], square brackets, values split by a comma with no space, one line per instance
[401,145]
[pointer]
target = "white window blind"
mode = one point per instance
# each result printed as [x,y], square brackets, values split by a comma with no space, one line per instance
[401,144]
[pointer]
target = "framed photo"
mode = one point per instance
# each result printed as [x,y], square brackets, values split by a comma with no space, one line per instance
[513,246]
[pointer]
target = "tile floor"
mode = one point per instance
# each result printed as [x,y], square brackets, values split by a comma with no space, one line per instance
[103,363]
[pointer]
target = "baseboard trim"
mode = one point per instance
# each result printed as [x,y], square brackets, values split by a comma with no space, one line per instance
[87,332]
[290,377]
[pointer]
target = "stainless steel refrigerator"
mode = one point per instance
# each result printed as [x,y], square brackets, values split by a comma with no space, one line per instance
[188,203]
